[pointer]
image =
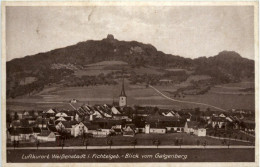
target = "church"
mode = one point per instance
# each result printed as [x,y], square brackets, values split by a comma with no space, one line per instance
[123,97]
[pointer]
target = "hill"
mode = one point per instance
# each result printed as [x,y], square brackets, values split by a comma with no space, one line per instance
[93,63]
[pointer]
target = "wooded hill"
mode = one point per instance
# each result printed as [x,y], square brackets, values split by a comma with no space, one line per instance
[227,66]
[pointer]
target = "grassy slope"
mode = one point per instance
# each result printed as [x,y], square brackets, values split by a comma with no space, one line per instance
[136,95]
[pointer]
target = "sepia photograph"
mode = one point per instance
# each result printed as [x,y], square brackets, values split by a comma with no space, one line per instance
[128,82]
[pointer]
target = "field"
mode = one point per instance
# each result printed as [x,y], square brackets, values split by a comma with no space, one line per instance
[142,139]
[141,155]
[223,96]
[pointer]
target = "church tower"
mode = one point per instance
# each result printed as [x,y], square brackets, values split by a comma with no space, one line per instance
[122,97]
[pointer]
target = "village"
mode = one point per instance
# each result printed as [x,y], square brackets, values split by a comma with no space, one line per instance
[118,120]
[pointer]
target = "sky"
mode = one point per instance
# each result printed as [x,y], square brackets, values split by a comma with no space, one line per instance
[187,31]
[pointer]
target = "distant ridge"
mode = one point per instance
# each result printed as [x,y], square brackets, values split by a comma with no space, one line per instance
[227,66]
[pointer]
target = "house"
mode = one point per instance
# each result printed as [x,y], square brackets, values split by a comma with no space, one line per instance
[64,126]
[13,134]
[25,133]
[200,131]
[95,130]
[193,127]
[140,125]
[115,110]
[174,126]
[15,124]
[222,115]
[155,128]
[190,126]
[36,131]
[218,122]
[49,113]
[73,101]
[129,130]
[52,128]
[46,136]
[79,129]
[249,125]
[118,131]
[42,122]
[20,134]
[169,114]
[63,116]
[158,123]
[129,133]
[206,116]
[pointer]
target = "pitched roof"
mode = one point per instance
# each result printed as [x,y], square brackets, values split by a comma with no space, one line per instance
[52,128]
[174,124]
[156,125]
[66,124]
[40,120]
[157,117]
[192,124]
[219,119]
[92,127]
[14,131]
[73,122]
[132,126]
[16,123]
[45,133]
[123,89]
[117,130]
[131,133]
[36,130]
[17,131]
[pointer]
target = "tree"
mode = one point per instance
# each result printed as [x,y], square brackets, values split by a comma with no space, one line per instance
[109,142]
[16,117]
[205,143]
[224,142]
[86,143]
[176,142]
[8,118]
[14,143]
[181,142]
[197,112]
[157,142]
[134,142]
[37,144]
[198,142]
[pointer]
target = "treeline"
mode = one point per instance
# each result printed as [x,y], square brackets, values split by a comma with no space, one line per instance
[155,79]
[101,79]
[44,77]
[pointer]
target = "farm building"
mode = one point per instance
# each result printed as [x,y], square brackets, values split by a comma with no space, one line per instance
[155,128]
[46,136]
[193,127]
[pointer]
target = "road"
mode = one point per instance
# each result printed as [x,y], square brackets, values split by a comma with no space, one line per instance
[133,147]
[183,101]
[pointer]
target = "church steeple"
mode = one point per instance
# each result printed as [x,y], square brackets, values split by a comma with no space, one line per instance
[122,97]
[123,89]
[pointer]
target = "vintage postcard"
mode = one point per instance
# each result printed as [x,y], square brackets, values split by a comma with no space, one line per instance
[155,84]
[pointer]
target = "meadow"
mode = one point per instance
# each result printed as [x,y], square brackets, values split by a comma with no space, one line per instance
[226,97]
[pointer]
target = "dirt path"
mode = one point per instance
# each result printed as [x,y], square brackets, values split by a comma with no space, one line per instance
[182,101]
